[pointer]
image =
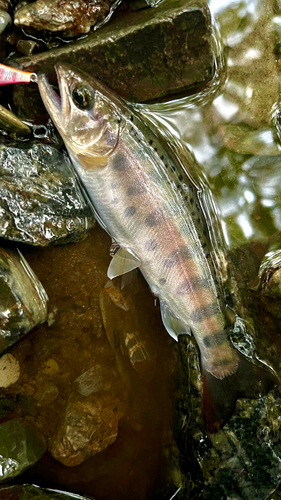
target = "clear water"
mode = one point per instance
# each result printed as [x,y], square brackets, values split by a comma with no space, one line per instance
[232,127]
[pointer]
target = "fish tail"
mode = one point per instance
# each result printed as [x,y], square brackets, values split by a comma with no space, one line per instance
[220,395]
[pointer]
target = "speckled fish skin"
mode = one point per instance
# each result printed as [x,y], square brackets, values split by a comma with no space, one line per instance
[127,175]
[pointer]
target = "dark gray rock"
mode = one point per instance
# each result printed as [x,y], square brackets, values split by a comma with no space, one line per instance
[23,300]
[90,422]
[143,55]
[21,445]
[66,16]
[40,200]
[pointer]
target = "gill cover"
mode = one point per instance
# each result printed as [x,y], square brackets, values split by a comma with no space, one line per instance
[86,118]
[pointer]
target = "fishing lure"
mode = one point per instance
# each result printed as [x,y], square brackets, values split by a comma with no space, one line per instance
[10,75]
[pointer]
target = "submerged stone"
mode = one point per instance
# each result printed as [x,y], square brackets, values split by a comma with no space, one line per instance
[70,17]
[33,492]
[21,445]
[40,200]
[23,300]
[90,423]
[98,392]
[175,37]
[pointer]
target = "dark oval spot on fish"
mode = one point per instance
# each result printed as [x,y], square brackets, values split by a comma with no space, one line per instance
[129,211]
[215,339]
[151,245]
[177,256]
[192,284]
[223,362]
[205,312]
[162,281]
[136,189]
[120,162]
[155,218]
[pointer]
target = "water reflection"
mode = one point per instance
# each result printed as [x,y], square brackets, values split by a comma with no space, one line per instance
[233,126]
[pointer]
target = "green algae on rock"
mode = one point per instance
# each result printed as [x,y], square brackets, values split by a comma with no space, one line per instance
[23,300]
[33,492]
[40,200]
[21,445]
[143,55]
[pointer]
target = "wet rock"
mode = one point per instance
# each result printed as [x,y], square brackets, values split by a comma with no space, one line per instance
[91,420]
[21,445]
[4,5]
[70,17]
[5,20]
[27,47]
[93,380]
[32,492]
[11,124]
[40,200]
[270,275]
[175,38]
[23,300]
[242,460]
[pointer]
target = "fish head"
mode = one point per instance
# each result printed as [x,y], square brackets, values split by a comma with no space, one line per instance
[85,115]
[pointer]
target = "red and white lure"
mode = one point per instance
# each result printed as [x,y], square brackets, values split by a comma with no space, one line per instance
[11,75]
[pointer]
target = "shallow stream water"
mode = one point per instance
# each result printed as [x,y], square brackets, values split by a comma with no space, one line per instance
[233,129]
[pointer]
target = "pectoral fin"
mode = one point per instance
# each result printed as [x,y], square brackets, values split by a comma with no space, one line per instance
[173,325]
[122,262]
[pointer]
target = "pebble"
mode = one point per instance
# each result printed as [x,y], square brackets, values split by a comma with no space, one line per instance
[51,367]
[9,370]
[5,20]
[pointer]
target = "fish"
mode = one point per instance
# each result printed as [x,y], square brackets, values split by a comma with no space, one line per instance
[10,75]
[140,197]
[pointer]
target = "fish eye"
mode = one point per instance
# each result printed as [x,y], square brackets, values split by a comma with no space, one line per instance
[82,97]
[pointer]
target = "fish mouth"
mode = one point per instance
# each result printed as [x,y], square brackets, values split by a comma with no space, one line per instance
[48,94]
[56,104]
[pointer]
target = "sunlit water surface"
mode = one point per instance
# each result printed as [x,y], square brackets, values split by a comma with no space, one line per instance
[232,127]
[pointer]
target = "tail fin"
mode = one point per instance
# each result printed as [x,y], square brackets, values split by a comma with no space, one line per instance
[220,395]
